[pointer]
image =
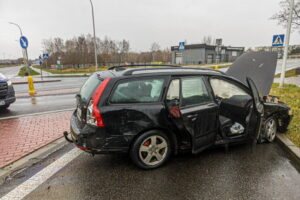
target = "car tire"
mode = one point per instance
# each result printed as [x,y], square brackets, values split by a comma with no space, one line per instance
[151,149]
[270,129]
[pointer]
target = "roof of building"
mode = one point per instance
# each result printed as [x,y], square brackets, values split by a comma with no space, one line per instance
[206,46]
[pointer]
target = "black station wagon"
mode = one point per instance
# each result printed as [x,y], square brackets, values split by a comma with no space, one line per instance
[152,112]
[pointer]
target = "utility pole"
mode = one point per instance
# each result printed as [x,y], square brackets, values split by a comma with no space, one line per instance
[286,46]
[95,45]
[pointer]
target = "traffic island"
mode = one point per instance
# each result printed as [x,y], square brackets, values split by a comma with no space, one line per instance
[48,93]
[35,81]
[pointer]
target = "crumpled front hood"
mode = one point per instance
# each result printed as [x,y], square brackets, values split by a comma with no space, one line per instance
[259,66]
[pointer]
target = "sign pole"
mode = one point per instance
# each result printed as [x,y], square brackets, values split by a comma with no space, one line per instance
[286,46]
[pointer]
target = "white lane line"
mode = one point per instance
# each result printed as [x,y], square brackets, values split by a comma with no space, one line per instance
[38,179]
[34,114]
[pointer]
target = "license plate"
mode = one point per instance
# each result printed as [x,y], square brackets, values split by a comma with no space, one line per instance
[2,103]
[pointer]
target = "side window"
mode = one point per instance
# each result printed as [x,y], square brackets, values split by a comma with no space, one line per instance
[194,91]
[138,91]
[226,90]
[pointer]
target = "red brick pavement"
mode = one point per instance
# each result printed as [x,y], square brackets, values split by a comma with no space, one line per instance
[19,137]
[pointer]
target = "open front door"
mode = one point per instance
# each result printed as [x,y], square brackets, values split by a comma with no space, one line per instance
[255,121]
[193,111]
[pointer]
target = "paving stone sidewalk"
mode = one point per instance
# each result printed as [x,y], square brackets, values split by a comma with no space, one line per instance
[21,136]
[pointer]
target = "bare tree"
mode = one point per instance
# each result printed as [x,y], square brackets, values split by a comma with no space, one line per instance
[207,40]
[154,48]
[282,16]
[79,51]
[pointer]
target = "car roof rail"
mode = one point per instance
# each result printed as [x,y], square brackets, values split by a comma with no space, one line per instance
[131,71]
[123,67]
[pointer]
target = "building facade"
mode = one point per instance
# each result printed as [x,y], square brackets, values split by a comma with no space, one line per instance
[205,54]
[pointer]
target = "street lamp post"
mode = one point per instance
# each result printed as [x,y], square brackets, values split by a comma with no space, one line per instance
[95,45]
[26,54]
[287,41]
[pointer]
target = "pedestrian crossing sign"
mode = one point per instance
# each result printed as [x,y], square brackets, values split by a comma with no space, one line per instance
[278,40]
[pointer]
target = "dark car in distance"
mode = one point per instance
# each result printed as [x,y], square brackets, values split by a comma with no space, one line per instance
[152,112]
[7,92]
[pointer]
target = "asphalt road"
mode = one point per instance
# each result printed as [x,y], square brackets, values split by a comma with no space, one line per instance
[65,83]
[39,104]
[10,72]
[265,173]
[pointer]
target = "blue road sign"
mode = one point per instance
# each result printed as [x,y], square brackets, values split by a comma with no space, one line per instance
[45,56]
[181,46]
[41,60]
[23,42]
[278,40]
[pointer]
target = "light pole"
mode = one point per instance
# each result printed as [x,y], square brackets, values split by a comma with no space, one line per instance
[26,54]
[95,45]
[287,41]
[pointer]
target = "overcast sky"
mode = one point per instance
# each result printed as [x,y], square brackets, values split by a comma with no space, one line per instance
[239,22]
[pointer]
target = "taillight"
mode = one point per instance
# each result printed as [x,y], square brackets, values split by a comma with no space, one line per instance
[93,115]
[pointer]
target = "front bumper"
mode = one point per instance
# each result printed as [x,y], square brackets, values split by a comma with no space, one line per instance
[9,98]
[90,138]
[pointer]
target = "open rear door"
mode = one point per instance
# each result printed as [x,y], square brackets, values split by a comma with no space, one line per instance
[255,122]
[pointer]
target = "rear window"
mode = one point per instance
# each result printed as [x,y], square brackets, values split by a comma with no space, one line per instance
[138,91]
[89,86]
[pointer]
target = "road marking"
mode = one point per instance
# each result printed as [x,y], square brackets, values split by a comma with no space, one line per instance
[34,114]
[38,179]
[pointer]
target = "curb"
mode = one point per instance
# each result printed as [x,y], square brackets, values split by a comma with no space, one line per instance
[26,82]
[289,147]
[31,159]
[42,95]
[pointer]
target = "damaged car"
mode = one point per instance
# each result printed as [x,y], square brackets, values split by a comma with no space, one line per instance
[153,112]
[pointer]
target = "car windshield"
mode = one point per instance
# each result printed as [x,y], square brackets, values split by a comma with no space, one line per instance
[89,86]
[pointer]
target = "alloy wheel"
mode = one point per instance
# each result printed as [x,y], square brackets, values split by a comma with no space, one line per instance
[153,150]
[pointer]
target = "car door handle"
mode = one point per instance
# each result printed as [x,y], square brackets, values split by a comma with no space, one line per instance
[192,116]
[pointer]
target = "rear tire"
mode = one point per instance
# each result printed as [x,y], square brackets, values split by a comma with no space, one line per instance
[151,149]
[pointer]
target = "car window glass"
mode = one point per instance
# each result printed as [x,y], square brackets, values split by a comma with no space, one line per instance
[225,90]
[174,90]
[138,91]
[194,91]
[89,86]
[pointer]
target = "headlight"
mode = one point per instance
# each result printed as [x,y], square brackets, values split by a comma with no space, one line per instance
[290,112]
[9,82]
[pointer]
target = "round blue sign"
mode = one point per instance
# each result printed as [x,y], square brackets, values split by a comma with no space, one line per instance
[23,42]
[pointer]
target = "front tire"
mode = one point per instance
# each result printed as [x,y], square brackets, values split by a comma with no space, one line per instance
[151,150]
[270,129]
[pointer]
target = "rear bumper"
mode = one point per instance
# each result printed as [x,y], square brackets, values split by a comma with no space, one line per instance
[91,139]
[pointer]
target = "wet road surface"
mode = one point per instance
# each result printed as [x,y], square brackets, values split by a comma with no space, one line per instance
[39,104]
[65,83]
[266,173]
[10,72]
